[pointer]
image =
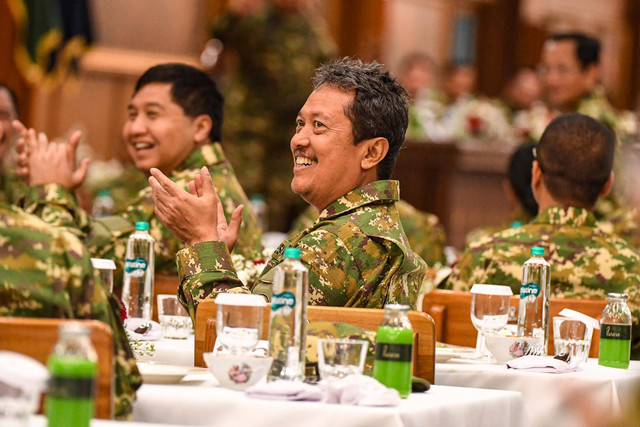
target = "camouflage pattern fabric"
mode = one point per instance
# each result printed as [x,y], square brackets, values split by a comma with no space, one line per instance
[586,262]
[107,237]
[357,255]
[519,218]
[12,188]
[275,52]
[47,273]
[425,232]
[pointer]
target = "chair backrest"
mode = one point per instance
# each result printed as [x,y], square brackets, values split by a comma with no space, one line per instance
[366,318]
[35,337]
[451,310]
[163,284]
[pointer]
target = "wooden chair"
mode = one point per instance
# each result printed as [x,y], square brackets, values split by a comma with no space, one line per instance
[163,284]
[36,337]
[366,318]
[451,310]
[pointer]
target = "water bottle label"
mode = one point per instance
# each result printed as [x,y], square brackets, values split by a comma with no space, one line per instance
[136,267]
[615,332]
[530,289]
[285,302]
[70,388]
[394,352]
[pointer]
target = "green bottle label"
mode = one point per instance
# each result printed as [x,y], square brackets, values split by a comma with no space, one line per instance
[136,267]
[529,289]
[71,387]
[284,300]
[394,352]
[615,332]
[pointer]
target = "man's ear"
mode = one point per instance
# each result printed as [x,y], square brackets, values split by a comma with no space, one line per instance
[536,174]
[375,150]
[201,128]
[607,186]
[592,74]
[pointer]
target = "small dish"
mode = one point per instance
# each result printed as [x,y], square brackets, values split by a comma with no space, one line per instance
[237,372]
[160,373]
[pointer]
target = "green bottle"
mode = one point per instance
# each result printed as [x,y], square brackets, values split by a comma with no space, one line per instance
[615,333]
[394,350]
[73,369]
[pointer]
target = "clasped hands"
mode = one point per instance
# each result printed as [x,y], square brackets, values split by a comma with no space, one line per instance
[197,215]
[42,162]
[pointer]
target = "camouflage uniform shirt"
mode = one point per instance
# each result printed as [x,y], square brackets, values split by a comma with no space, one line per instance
[425,232]
[356,252]
[106,237]
[47,273]
[586,262]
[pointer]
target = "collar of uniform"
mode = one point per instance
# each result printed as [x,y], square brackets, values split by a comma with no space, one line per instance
[559,215]
[374,192]
[209,154]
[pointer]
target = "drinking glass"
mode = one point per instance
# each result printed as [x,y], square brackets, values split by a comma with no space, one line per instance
[339,357]
[239,322]
[489,313]
[174,319]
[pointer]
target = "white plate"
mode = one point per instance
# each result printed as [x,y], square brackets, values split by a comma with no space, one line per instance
[449,351]
[159,373]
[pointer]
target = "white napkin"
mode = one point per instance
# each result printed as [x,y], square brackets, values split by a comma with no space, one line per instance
[359,390]
[285,390]
[154,333]
[542,364]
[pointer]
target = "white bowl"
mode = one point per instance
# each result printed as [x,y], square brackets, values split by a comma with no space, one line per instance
[505,348]
[237,372]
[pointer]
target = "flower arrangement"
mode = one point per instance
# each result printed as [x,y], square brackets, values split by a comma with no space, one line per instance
[249,270]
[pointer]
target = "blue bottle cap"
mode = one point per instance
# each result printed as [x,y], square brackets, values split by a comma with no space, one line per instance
[142,225]
[293,253]
[537,250]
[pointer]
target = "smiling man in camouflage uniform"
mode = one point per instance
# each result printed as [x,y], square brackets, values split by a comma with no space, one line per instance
[174,117]
[348,134]
[573,168]
[47,272]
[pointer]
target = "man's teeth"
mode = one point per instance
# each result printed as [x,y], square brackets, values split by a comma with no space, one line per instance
[304,161]
[142,145]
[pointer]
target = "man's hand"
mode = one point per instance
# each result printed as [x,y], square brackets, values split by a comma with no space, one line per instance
[44,162]
[195,216]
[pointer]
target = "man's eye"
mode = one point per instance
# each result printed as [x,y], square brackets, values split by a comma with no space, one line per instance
[152,114]
[299,124]
[132,115]
[319,124]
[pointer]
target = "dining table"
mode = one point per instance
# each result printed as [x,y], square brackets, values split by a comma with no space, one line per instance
[197,399]
[171,351]
[591,395]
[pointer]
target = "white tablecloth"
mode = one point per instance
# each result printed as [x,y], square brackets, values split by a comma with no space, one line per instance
[41,421]
[203,403]
[173,352]
[571,399]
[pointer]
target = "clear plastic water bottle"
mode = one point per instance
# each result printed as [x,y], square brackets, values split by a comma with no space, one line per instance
[288,324]
[259,207]
[102,204]
[74,368]
[137,290]
[533,314]
[615,333]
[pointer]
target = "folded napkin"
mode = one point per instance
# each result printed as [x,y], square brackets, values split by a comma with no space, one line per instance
[285,390]
[154,332]
[359,390]
[542,364]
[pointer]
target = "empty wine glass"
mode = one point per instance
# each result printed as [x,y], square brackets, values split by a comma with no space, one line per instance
[489,313]
[239,321]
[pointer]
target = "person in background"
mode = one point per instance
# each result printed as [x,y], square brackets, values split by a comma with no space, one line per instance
[424,230]
[12,188]
[459,82]
[347,137]
[573,168]
[47,272]
[522,91]
[517,187]
[570,75]
[174,120]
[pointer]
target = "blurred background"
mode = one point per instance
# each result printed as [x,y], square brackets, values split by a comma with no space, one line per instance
[73,64]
